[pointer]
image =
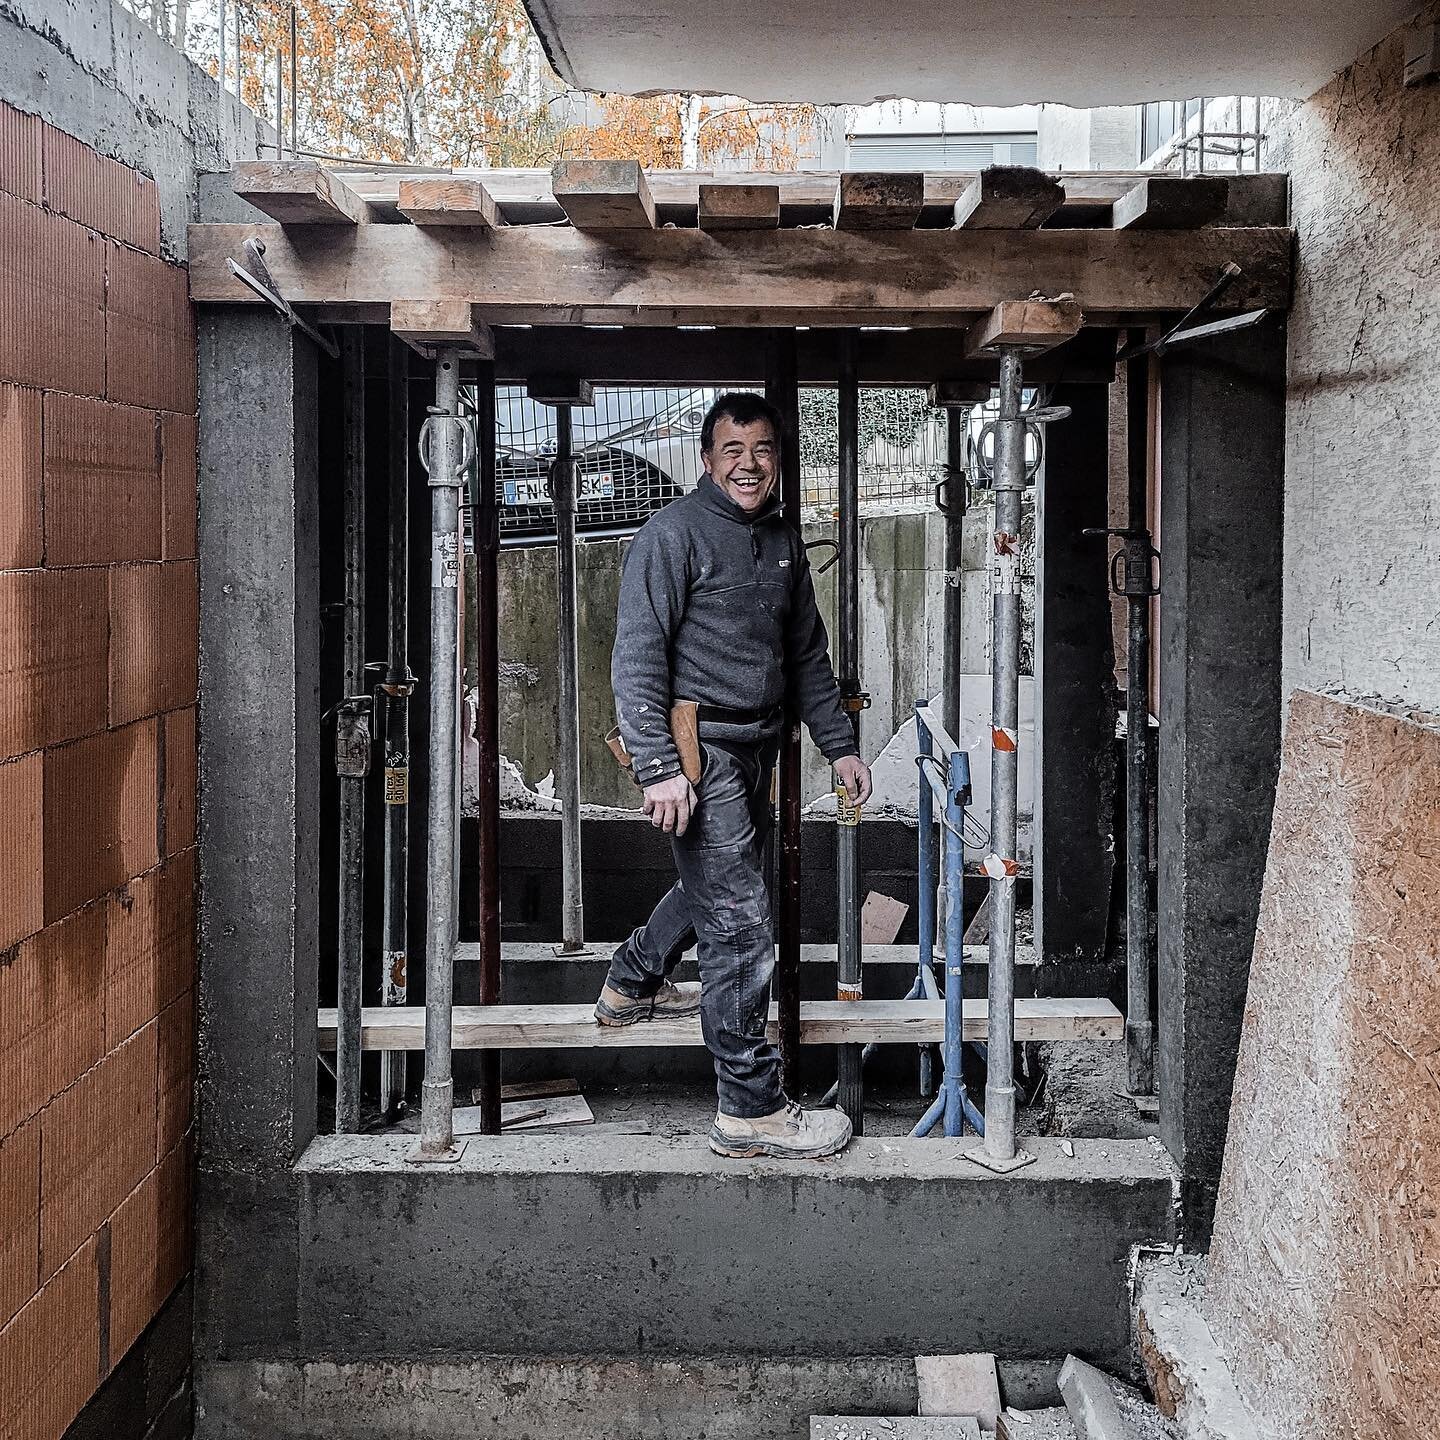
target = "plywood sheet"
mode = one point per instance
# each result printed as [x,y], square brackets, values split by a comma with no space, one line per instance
[1326,1252]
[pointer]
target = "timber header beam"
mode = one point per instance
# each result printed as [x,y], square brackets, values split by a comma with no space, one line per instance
[559,275]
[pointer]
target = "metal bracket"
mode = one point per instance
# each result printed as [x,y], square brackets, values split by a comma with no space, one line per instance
[1181,332]
[942,491]
[426,445]
[353,740]
[852,698]
[1134,570]
[255,274]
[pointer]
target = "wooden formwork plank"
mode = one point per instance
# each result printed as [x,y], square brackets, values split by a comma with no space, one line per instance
[1171,202]
[298,192]
[1009,197]
[448,200]
[1033,325]
[879,200]
[603,194]
[738,207]
[425,325]
[822,1022]
[543,274]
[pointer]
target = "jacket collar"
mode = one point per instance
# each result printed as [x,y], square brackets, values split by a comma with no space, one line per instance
[712,497]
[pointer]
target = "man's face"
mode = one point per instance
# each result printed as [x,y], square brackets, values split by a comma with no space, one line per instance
[743,460]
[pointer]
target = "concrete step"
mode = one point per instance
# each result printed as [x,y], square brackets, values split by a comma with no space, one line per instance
[894,1427]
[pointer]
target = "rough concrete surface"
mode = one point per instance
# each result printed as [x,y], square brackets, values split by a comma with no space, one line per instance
[1189,1375]
[1362,530]
[101,74]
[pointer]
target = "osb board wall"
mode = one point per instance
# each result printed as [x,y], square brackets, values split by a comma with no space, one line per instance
[98,645]
[1362,530]
[1326,1254]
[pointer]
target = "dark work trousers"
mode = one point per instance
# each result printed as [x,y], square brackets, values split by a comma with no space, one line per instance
[721,905]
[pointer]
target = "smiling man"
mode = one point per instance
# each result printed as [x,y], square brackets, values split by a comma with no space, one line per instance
[717,607]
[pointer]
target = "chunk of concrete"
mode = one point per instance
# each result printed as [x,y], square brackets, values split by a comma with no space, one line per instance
[1186,1369]
[1092,1407]
[893,1427]
[959,1385]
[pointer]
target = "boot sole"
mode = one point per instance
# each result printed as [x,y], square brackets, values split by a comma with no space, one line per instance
[642,1010]
[750,1149]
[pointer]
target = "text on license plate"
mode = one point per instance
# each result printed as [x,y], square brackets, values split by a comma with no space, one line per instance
[534,492]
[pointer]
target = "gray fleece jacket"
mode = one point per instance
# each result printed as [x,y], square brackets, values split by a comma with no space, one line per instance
[718,606]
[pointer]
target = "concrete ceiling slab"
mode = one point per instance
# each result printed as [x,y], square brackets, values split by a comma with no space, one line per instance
[986,52]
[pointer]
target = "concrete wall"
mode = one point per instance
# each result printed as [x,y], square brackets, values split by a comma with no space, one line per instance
[99,142]
[901,635]
[1362,523]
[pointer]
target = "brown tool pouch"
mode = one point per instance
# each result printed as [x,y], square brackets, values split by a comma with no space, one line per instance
[684,731]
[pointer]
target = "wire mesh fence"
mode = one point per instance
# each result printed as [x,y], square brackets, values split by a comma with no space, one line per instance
[638,448]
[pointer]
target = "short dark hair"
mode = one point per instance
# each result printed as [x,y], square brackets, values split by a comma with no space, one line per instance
[744,407]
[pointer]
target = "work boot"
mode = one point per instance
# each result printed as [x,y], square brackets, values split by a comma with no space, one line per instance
[669,1002]
[790,1131]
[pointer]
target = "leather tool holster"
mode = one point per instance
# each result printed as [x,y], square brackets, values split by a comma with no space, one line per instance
[684,731]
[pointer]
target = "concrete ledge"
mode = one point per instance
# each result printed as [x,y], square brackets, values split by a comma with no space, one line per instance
[620,1245]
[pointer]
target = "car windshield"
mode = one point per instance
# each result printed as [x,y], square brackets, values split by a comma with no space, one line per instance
[526,428]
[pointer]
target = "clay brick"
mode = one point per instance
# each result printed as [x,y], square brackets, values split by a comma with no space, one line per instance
[19,1218]
[176,1074]
[52,1024]
[50,1354]
[149,946]
[101,815]
[177,476]
[154,639]
[102,483]
[99,192]
[54,651]
[149,332]
[181,760]
[52,300]
[22,912]
[97,1143]
[149,1249]
[20,470]
[20,172]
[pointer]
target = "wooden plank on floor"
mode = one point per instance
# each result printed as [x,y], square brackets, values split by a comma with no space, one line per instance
[1171,202]
[878,200]
[544,274]
[822,1022]
[560,1112]
[448,200]
[738,207]
[536,1090]
[603,194]
[298,192]
[1035,325]
[1009,197]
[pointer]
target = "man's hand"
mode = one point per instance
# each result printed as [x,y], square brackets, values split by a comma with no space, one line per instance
[854,774]
[670,803]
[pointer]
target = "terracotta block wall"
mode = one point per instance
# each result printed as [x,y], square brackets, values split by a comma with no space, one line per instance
[98,674]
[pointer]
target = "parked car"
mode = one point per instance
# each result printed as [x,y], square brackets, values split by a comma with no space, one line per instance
[638,448]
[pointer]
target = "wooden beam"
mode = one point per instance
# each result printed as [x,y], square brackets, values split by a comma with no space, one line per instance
[878,200]
[738,207]
[426,325]
[1008,197]
[603,194]
[822,1022]
[298,192]
[1032,325]
[1171,202]
[447,200]
[556,275]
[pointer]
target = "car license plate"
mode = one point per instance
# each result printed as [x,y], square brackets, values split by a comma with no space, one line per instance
[533,492]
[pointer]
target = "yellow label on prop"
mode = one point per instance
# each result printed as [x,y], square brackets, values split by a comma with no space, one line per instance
[845,812]
[397,784]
